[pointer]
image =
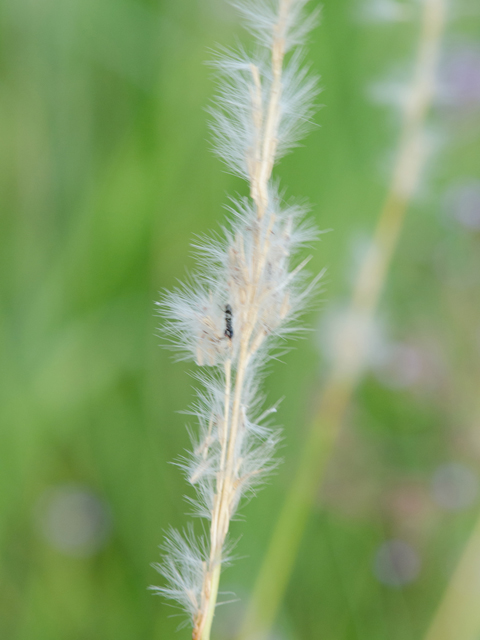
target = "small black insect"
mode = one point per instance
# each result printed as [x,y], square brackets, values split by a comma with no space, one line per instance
[228,322]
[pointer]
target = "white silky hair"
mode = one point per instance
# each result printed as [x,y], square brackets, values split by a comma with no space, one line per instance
[182,567]
[207,318]
[232,126]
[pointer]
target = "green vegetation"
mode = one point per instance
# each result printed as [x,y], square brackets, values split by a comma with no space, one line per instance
[105,177]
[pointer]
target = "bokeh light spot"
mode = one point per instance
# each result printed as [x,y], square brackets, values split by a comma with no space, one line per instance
[462,202]
[73,520]
[396,563]
[454,486]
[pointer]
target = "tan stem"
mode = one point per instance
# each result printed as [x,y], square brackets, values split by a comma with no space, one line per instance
[239,380]
[257,108]
[226,416]
[212,602]
[271,121]
[457,616]
[224,497]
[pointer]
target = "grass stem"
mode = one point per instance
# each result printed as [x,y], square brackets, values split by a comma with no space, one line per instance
[457,616]
[343,378]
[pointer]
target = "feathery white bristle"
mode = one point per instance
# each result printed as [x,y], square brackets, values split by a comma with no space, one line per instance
[182,567]
[233,128]
[247,293]
[261,16]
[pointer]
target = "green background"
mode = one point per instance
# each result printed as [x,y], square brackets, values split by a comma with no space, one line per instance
[106,175]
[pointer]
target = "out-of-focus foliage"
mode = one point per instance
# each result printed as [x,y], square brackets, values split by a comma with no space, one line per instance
[105,177]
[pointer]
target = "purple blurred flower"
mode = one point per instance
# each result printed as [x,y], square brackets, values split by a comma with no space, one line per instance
[460,77]
[462,202]
[73,519]
[454,486]
[396,563]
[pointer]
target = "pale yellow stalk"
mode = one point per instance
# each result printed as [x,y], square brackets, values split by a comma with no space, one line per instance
[457,616]
[344,375]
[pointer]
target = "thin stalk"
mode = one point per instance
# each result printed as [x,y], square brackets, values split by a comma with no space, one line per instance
[270,133]
[212,601]
[457,616]
[345,372]
[226,417]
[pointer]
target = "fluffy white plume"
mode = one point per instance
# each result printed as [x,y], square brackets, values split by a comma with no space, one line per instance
[247,294]
[262,20]
[237,125]
[183,568]
[195,314]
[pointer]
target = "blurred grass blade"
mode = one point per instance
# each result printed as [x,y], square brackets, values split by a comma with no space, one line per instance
[343,378]
[458,615]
